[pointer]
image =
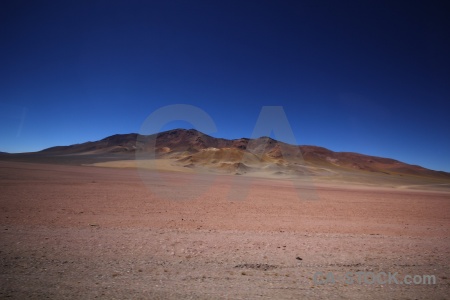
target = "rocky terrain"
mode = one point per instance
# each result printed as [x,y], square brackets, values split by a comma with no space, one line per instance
[103,233]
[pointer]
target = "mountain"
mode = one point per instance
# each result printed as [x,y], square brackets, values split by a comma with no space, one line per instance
[194,149]
[118,143]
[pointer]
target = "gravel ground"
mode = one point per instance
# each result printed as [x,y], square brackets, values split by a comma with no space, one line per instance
[85,232]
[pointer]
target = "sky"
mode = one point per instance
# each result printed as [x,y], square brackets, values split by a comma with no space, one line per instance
[371,77]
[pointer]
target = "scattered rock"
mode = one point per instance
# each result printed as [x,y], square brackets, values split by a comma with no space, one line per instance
[263,267]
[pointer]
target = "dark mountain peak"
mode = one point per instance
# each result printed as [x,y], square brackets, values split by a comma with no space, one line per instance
[120,137]
[180,131]
[266,138]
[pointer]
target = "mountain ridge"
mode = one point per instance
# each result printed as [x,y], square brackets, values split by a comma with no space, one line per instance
[192,148]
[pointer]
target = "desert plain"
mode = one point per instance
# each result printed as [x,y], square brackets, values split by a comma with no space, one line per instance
[106,230]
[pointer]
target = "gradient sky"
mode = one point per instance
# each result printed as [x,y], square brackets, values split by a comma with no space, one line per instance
[363,76]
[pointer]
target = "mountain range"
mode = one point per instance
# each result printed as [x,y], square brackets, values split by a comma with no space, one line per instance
[190,148]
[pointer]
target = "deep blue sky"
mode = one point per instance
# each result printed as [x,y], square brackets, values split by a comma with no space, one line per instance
[364,76]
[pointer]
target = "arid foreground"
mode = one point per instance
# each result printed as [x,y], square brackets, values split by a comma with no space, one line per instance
[87,232]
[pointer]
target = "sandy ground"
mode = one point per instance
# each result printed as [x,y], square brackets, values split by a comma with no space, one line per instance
[88,232]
